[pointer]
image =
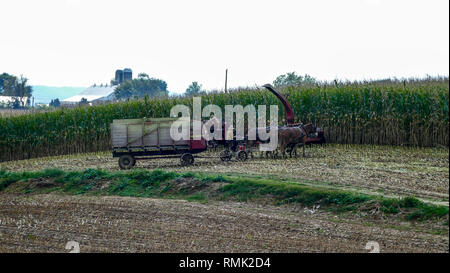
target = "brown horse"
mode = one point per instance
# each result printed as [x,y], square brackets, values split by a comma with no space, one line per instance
[286,136]
[289,137]
[307,130]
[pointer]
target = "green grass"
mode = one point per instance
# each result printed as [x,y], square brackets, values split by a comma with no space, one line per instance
[291,192]
[159,183]
[198,197]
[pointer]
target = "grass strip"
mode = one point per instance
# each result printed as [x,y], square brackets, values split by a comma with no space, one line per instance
[159,183]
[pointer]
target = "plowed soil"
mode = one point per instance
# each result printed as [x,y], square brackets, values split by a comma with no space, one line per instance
[45,223]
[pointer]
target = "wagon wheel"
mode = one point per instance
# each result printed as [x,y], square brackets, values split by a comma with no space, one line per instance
[241,155]
[126,161]
[225,155]
[187,159]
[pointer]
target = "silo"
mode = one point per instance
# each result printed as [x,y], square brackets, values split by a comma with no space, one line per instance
[119,76]
[127,74]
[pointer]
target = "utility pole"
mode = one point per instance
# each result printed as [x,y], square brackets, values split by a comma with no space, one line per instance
[226,78]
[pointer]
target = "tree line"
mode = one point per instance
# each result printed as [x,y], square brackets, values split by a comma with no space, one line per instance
[288,79]
[151,87]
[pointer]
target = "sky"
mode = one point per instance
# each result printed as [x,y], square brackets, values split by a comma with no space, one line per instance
[82,42]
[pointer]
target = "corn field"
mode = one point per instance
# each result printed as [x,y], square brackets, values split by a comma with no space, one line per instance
[413,112]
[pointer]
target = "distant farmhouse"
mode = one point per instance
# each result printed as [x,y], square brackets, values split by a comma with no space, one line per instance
[101,93]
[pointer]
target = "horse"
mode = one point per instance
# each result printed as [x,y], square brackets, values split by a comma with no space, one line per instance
[289,136]
[288,139]
[307,129]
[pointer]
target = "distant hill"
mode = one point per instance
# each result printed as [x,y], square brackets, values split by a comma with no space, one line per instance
[44,94]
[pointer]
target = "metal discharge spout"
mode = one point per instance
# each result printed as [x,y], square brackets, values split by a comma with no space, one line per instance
[287,107]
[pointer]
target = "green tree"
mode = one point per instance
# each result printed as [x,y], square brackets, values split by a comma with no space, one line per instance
[55,103]
[290,79]
[83,102]
[124,90]
[7,83]
[143,76]
[194,89]
[141,87]
[17,88]
[22,89]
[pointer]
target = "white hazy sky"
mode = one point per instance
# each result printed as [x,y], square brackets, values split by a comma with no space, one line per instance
[81,42]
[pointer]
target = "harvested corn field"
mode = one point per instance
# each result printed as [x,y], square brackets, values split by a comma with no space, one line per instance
[45,223]
[232,207]
[422,172]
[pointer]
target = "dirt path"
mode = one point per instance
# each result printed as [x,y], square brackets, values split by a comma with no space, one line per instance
[45,223]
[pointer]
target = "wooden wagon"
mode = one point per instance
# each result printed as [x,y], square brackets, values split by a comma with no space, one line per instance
[134,139]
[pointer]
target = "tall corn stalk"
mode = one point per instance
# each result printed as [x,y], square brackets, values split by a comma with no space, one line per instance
[391,113]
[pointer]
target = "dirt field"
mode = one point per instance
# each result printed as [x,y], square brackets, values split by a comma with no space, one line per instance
[45,223]
[386,170]
[17,112]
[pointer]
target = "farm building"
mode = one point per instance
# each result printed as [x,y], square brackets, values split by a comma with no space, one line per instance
[93,94]
[123,75]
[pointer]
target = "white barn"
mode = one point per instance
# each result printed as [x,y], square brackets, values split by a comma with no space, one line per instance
[93,94]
